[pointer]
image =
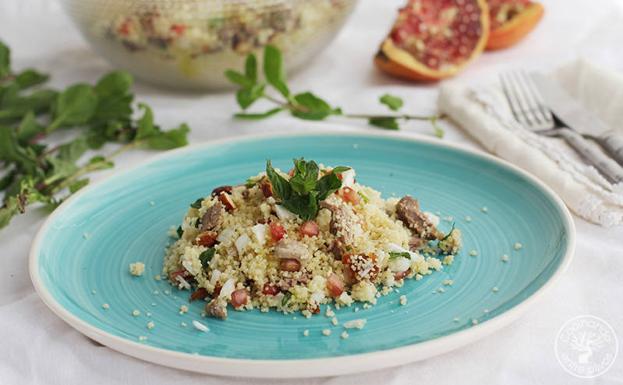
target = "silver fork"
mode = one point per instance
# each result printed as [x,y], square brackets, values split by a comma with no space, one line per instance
[530,111]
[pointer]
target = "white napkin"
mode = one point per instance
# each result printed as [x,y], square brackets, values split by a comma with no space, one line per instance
[484,113]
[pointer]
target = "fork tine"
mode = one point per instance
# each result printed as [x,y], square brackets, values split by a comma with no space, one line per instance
[511,95]
[540,109]
[523,99]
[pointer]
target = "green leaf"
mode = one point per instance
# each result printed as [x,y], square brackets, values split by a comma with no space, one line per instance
[340,169]
[114,97]
[28,128]
[393,102]
[74,107]
[59,169]
[305,176]
[280,185]
[286,298]
[399,254]
[305,206]
[238,78]
[7,179]
[5,61]
[14,107]
[274,70]
[30,78]
[77,185]
[179,231]
[174,138]
[250,67]
[206,256]
[258,116]
[311,107]
[197,204]
[98,162]
[247,96]
[387,123]
[145,126]
[73,150]
[327,185]
[12,151]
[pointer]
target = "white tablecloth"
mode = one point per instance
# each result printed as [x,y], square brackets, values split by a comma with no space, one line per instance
[39,348]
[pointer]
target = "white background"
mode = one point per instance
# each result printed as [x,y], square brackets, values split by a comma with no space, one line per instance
[38,348]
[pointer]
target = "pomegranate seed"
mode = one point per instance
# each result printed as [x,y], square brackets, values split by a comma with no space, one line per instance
[335,285]
[277,231]
[178,29]
[269,289]
[289,265]
[309,228]
[217,291]
[226,201]
[239,297]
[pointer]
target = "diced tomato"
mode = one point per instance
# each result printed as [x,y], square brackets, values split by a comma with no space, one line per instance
[207,238]
[401,274]
[178,29]
[239,297]
[289,264]
[226,201]
[269,289]
[217,291]
[277,231]
[335,285]
[200,293]
[349,195]
[309,228]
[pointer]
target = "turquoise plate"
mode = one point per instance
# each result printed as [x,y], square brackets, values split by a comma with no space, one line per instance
[79,260]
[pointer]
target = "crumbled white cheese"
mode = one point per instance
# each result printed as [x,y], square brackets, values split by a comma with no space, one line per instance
[182,283]
[326,332]
[355,324]
[199,326]
[137,269]
[517,246]
[241,243]
[348,178]
[136,312]
[403,300]
[399,264]
[151,325]
[259,231]
[226,235]
[228,287]
[183,309]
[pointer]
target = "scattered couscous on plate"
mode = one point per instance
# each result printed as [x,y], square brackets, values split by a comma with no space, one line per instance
[293,241]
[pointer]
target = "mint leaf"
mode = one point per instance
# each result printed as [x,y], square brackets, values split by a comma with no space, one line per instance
[280,185]
[399,254]
[340,169]
[166,140]
[327,185]
[77,185]
[274,71]
[12,151]
[387,123]
[114,97]
[14,107]
[5,61]
[74,106]
[305,176]
[206,256]
[247,96]
[73,150]
[258,116]
[30,78]
[305,206]
[196,204]
[313,108]
[145,127]
[238,78]
[250,68]
[28,128]
[393,102]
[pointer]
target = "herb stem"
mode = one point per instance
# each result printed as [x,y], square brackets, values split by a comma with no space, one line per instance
[403,117]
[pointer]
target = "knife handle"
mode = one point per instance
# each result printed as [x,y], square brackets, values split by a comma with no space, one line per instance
[606,166]
[613,144]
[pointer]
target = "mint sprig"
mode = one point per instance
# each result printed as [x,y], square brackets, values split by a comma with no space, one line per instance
[304,105]
[34,171]
[302,193]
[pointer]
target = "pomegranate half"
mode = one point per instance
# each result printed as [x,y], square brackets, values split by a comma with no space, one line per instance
[434,39]
[511,21]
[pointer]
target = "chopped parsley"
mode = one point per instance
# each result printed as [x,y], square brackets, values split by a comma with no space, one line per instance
[399,254]
[196,204]
[286,298]
[179,231]
[206,256]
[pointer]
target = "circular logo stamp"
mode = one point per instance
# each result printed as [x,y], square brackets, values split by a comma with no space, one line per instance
[586,346]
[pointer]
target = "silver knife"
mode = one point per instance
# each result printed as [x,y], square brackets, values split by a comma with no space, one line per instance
[573,114]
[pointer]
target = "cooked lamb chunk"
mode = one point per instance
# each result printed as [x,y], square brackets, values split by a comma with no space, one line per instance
[408,211]
[212,217]
[291,249]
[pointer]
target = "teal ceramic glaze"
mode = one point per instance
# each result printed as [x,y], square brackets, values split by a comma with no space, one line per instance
[81,257]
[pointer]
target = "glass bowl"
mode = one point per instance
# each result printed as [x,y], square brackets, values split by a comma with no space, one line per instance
[190,43]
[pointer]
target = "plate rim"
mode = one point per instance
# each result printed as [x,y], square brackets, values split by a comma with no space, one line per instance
[309,367]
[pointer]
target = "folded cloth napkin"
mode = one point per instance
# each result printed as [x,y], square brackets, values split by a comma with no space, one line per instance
[484,113]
